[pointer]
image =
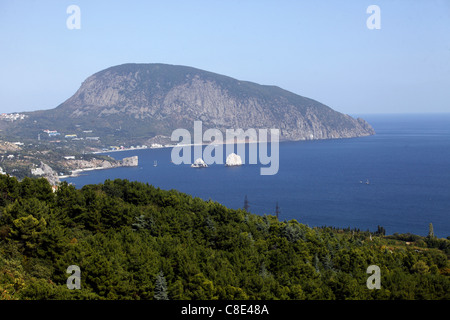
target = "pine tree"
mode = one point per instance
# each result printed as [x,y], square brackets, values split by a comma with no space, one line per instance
[277,210]
[381,231]
[328,263]
[246,205]
[431,231]
[263,271]
[316,263]
[161,287]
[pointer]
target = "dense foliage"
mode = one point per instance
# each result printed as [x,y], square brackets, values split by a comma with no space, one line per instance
[134,241]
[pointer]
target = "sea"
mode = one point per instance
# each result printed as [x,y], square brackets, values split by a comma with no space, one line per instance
[398,178]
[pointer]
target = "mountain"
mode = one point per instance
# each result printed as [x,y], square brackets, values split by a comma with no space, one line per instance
[135,102]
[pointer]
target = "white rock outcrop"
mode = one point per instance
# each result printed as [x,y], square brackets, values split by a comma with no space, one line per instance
[37,172]
[47,172]
[130,161]
[199,163]
[233,160]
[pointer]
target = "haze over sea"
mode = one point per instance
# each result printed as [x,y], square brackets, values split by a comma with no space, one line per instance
[323,182]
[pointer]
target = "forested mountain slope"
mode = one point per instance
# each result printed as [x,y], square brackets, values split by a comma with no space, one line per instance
[134,241]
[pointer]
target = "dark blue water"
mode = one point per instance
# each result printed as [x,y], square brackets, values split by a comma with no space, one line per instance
[319,182]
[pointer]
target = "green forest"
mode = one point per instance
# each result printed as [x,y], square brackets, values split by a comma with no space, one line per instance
[131,240]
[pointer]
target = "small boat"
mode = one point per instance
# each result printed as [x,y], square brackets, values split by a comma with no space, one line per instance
[367,181]
[155,163]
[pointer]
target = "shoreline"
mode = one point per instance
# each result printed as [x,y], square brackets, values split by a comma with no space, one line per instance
[125,162]
[181,146]
[214,143]
[76,173]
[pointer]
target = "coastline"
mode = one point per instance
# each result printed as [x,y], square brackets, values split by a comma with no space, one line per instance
[75,173]
[125,162]
[288,194]
[214,143]
[179,145]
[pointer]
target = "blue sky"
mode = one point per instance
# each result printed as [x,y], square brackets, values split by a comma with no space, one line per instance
[319,49]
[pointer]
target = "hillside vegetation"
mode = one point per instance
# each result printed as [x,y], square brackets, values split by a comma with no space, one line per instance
[134,241]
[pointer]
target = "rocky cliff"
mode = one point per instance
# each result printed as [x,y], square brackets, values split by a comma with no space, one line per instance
[78,166]
[130,161]
[47,172]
